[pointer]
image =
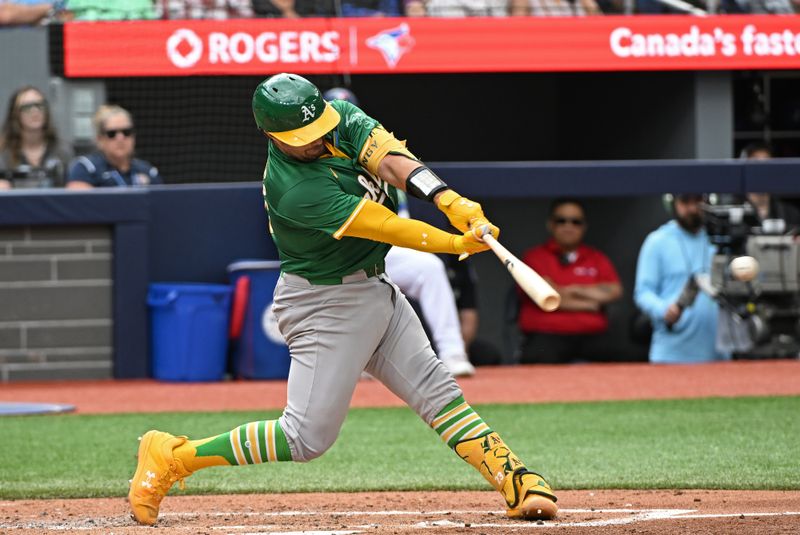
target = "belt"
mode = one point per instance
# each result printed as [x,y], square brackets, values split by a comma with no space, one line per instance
[356,276]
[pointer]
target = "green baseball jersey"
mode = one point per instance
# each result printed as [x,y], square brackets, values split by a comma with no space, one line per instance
[308,202]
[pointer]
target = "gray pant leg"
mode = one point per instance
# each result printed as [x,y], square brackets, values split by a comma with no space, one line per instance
[406,364]
[331,331]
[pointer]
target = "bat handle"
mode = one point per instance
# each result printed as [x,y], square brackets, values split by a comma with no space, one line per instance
[489,239]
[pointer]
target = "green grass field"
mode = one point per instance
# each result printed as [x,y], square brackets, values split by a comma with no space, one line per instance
[738,443]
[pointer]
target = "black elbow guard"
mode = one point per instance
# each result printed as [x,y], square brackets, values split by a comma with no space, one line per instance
[423,183]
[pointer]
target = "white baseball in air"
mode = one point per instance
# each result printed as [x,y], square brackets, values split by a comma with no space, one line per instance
[744,268]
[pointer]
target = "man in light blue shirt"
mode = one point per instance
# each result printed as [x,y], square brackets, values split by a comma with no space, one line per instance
[669,256]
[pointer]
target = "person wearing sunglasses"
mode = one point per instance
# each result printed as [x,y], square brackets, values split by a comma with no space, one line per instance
[30,153]
[113,164]
[587,282]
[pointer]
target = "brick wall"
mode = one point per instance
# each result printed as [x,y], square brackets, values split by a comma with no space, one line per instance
[55,302]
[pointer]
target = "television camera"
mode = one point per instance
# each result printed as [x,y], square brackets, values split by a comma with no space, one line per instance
[766,310]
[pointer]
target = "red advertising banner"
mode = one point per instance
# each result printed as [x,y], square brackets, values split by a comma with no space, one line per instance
[420,45]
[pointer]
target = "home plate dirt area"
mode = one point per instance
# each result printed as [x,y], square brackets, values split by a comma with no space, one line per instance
[436,513]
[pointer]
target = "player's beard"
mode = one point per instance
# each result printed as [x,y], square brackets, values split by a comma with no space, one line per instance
[314,153]
[311,152]
[306,153]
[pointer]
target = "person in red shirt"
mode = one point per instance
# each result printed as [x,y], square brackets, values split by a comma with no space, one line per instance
[586,280]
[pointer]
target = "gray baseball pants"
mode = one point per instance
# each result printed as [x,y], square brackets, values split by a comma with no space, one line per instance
[336,332]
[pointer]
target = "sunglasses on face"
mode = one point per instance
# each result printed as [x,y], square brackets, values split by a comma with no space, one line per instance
[126,132]
[571,220]
[25,108]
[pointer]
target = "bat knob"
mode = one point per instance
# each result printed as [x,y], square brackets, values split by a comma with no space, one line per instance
[481,231]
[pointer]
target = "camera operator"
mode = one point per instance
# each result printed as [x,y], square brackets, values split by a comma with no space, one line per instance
[684,328]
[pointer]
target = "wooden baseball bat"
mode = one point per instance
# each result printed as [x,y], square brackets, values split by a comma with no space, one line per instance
[531,282]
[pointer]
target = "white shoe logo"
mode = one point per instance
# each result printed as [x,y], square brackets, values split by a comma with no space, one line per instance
[150,475]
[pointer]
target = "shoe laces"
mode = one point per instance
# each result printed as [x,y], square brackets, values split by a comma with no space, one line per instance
[169,478]
[161,486]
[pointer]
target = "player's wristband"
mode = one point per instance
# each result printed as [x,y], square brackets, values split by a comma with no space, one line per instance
[423,183]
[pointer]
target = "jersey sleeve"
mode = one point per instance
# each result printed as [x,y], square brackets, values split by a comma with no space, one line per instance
[646,290]
[81,170]
[319,206]
[354,127]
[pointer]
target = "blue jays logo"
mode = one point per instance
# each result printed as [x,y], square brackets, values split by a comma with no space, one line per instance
[392,43]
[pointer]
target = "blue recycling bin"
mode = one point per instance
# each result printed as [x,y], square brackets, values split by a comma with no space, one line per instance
[259,350]
[189,330]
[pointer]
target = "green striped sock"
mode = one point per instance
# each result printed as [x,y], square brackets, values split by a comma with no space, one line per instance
[251,443]
[458,421]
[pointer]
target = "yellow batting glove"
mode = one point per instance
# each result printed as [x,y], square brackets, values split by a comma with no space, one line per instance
[459,210]
[470,242]
[484,226]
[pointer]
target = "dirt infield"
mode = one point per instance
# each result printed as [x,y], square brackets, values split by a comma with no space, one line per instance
[435,513]
[506,384]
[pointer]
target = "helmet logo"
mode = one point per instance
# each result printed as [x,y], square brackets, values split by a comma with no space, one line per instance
[308,112]
[392,43]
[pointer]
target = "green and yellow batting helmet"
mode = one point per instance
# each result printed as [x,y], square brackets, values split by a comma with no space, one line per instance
[292,109]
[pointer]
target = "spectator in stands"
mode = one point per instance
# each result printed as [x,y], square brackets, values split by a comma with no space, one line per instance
[91,10]
[760,7]
[370,8]
[292,9]
[554,8]
[586,281]
[204,9]
[30,154]
[768,206]
[670,256]
[674,7]
[457,8]
[113,164]
[18,12]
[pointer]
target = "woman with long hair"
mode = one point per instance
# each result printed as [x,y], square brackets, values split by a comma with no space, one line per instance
[30,153]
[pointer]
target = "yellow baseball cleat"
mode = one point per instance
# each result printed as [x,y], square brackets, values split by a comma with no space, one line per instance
[157,470]
[534,499]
